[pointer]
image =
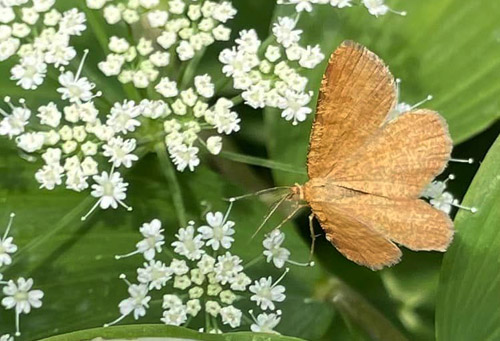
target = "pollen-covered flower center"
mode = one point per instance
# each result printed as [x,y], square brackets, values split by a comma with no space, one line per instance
[75,90]
[30,71]
[108,189]
[218,232]
[266,293]
[21,296]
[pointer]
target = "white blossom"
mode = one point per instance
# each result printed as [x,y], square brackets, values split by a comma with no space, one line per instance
[19,296]
[231,316]
[155,274]
[110,189]
[119,151]
[188,244]
[218,232]
[265,323]
[266,293]
[30,72]
[273,250]
[13,124]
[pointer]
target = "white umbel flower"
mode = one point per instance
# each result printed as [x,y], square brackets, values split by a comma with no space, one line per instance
[110,189]
[285,31]
[214,145]
[266,292]
[184,157]
[20,297]
[273,250]
[231,316]
[227,268]
[119,151]
[74,88]
[7,246]
[155,274]
[30,72]
[13,124]
[218,233]
[188,244]
[265,323]
[135,304]
[123,117]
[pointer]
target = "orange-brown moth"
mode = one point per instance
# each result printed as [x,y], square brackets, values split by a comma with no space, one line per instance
[366,174]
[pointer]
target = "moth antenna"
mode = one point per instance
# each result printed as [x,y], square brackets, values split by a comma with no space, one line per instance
[457,204]
[470,161]
[263,191]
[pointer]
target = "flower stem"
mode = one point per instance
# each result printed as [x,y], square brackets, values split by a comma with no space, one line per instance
[97,25]
[256,161]
[190,70]
[356,310]
[173,184]
[254,261]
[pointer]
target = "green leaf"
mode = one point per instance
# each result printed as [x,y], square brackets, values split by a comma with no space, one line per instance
[445,48]
[467,304]
[162,332]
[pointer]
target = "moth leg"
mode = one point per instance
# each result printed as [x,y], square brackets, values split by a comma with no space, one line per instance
[313,236]
[290,216]
[268,216]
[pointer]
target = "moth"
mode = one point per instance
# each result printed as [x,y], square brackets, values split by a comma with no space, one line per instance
[367,173]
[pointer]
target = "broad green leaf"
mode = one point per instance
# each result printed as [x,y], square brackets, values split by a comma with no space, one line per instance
[467,304]
[162,332]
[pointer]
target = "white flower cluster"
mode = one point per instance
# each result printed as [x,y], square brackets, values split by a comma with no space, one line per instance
[75,143]
[375,7]
[266,72]
[177,30]
[191,114]
[206,275]
[17,294]
[72,140]
[39,35]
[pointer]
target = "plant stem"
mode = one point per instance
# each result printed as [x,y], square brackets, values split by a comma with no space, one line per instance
[173,184]
[97,27]
[190,70]
[70,217]
[356,310]
[102,38]
[256,161]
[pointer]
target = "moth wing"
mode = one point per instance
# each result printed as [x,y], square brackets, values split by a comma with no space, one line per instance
[412,223]
[401,159]
[355,238]
[357,93]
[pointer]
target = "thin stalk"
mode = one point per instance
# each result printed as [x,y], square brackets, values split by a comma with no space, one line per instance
[256,161]
[73,216]
[174,187]
[190,70]
[357,311]
[102,38]
[99,30]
